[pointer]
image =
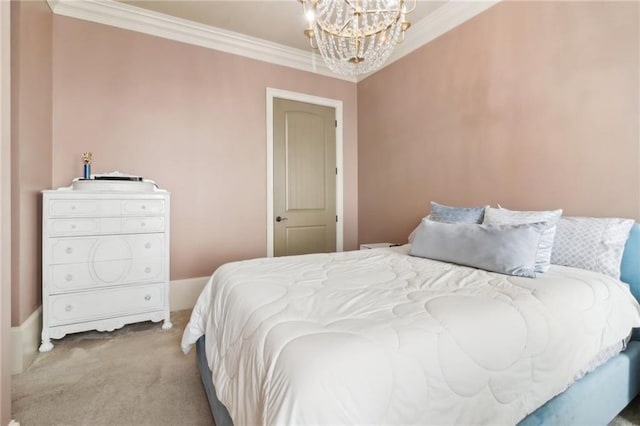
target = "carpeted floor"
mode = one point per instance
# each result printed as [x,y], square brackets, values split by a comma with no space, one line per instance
[630,416]
[134,376]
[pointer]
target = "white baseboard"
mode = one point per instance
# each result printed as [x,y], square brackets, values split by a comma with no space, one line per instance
[25,338]
[184,293]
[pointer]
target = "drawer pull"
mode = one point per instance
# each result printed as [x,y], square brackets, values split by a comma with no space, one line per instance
[147,270]
[68,308]
[147,246]
[73,226]
[73,207]
[68,277]
[69,250]
[143,224]
[147,297]
[144,207]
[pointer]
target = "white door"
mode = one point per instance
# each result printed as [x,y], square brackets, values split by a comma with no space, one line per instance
[304,176]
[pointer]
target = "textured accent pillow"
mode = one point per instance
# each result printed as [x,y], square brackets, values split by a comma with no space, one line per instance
[591,243]
[448,214]
[551,217]
[507,249]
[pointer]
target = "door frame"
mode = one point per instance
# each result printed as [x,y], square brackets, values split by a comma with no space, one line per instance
[309,99]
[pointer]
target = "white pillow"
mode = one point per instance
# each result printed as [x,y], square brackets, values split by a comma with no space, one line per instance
[595,244]
[513,217]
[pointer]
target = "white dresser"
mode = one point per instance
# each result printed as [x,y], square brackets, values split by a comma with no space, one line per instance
[105,257]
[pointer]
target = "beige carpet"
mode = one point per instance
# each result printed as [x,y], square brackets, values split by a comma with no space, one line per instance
[134,376]
[630,416]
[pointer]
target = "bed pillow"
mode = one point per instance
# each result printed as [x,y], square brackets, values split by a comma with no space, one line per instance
[507,249]
[591,243]
[551,217]
[412,235]
[448,214]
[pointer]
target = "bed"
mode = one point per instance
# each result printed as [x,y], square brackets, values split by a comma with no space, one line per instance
[343,338]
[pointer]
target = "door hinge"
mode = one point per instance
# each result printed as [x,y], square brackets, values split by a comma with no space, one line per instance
[336,170]
[336,218]
[336,123]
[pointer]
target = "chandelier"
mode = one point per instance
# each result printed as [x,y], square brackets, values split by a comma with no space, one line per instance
[356,36]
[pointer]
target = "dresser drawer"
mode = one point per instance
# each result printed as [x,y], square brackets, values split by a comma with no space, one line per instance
[74,226]
[105,248]
[106,208]
[142,207]
[145,246]
[78,307]
[79,276]
[71,250]
[72,208]
[142,224]
[103,226]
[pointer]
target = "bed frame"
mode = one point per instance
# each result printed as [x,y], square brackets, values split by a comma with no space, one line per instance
[595,399]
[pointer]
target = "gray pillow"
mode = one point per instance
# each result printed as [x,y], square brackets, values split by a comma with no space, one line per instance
[591,243]
[511,217]
[448,214]
[507,249]
[412,235]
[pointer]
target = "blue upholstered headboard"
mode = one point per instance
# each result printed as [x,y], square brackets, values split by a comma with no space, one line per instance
[630,268]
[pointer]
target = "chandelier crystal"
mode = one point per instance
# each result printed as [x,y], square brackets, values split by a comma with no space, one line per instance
[355,36]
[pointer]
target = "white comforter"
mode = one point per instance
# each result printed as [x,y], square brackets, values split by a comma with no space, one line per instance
[379,337]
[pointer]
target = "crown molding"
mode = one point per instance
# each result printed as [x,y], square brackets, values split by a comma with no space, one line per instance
[125,16]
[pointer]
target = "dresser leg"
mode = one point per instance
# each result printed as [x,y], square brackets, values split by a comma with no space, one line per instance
[166,325]
[46,345]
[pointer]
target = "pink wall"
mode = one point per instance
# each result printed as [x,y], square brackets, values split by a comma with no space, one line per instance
[190,118]
[31,148]
[533,105]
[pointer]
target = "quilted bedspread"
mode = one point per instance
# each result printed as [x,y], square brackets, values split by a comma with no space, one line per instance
[380,337]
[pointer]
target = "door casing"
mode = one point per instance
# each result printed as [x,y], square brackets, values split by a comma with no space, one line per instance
[301,97]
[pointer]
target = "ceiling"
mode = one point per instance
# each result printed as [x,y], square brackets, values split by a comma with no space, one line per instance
[279,21]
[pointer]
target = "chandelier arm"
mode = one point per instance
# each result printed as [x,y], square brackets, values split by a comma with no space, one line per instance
[378,32]
[381,10]
[360,35]
[367,35]
[340,33]
[346,24]
[348,2]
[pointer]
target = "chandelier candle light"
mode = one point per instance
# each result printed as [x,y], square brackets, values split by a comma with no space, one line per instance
[356,36]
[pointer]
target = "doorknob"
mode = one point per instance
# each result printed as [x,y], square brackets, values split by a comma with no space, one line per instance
[280,218]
